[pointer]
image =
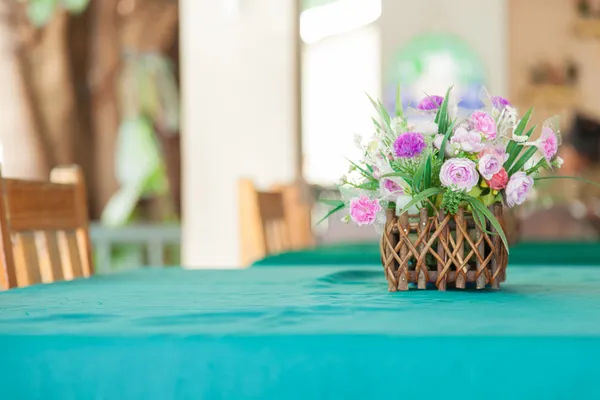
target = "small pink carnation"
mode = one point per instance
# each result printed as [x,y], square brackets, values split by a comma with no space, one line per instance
[363,210]
[484,123]
[548,143]
[499,180]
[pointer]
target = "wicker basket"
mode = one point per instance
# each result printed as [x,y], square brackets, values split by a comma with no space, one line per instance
[445,250]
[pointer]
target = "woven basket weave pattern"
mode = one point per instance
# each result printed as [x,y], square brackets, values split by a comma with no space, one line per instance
[445,250]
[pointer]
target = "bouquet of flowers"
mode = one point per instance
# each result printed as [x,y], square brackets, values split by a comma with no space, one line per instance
[443,156]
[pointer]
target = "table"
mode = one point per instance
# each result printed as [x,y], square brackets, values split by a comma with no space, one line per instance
[301,333]
[530,253]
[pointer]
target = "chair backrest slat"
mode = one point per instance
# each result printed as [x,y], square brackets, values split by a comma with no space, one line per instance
[26,259]
[44,229]
[47,246]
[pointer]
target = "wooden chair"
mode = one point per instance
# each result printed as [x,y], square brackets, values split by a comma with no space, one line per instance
[44,229]
[270,222]
[298,213]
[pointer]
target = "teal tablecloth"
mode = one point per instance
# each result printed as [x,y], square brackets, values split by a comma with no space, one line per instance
[301,333]
[529,253]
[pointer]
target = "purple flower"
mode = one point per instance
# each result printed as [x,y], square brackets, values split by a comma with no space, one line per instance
[409,145]
[490,164]
[390,188]
[548,143]
[430,103]
[484,123]
[468,141]
[518,188]
[459,174]
[363,210]
[500,102]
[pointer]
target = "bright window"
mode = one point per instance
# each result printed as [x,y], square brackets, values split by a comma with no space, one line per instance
[341,64]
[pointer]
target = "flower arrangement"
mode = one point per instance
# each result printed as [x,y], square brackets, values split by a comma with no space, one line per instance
[442,156]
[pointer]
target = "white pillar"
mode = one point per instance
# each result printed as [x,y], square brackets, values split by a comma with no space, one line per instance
[239,115]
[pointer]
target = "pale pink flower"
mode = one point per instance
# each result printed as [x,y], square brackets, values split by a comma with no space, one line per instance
[363,210]
[459,174]
[392,186]
[519,186]
[437,142]
[548,143]
[499,180]
[468,141]
[490,164]
[483,123]
[498,150]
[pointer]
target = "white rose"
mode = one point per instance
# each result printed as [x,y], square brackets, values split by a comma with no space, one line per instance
[426,128]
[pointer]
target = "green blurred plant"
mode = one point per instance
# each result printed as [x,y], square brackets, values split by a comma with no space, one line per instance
[149,103]
[40,12]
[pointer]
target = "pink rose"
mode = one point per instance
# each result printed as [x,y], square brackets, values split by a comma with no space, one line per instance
[468,141]
[482,122]
[548,143]
[518,188]
[498,150]
[499,180]
[489,165]
[363,210]
[459,174]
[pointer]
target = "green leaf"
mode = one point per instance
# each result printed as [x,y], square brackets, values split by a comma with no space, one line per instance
[407,178]
[425,194]
[523,160]
[442,152]
[477,217]
[444,127]
[427,172]
[541,178]
[384,113]
[40,12]
[75,6]
[331,212]
[512,145]
[333,203]
[477,204]
[371,185]
[364,172]
[523,122]
[399,110]
[516,150]
[441,117]
[377,124]
[385,117]
[420,173]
